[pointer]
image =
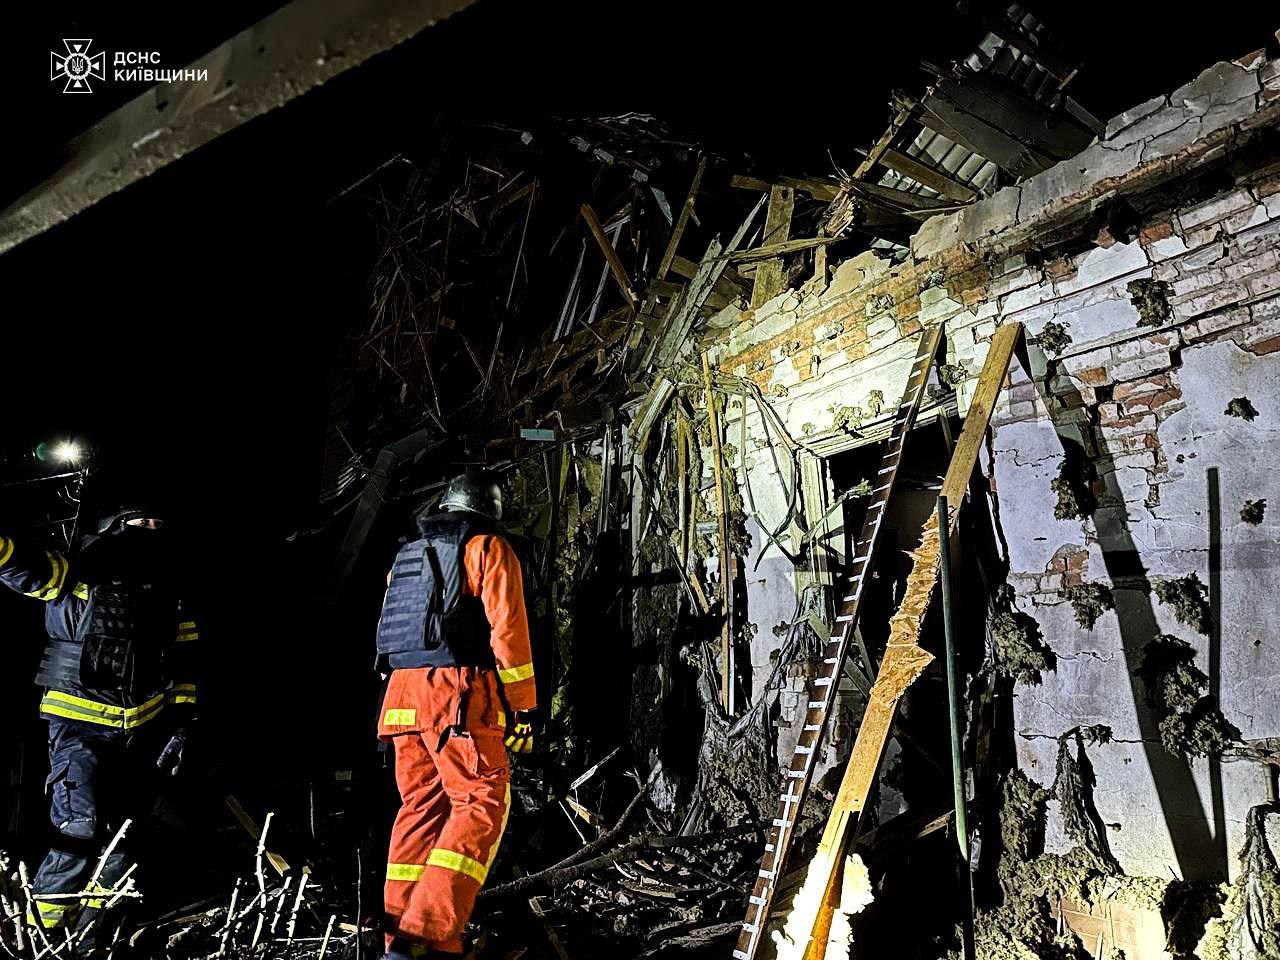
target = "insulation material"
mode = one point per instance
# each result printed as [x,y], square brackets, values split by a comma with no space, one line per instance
[855,895]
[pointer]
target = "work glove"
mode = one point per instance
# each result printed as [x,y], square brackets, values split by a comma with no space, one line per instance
[520,733]
[170,759]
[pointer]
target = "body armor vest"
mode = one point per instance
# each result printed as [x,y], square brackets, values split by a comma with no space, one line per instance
[427,619]
[119,643]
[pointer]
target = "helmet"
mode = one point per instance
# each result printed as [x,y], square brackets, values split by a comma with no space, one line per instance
[476,492]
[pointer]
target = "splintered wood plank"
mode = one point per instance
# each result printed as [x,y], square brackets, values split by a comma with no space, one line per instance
[821,689]
[777,228]
[904,658]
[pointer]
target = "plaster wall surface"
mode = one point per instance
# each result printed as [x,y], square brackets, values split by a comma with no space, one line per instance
[1168,323]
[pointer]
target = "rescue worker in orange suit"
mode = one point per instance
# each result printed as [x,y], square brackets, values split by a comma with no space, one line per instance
[454,635]
[119,676]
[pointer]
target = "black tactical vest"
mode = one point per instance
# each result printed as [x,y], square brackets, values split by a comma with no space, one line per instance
[120,641]
[427,619]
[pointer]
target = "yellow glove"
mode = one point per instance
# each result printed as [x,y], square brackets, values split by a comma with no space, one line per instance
[520,735]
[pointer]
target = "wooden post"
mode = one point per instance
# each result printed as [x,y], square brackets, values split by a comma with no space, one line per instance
[726,585]
[777,228]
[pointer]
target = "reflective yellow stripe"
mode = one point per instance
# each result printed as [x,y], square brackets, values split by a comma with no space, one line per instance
[58,704]
[186,625]
[506,812]
[404,871]
[50,590]
[185,636]
[457,862]
[182,693]
[516,674]
[81,590]
[502,719]
[52,915]
[6,550]
[399,718]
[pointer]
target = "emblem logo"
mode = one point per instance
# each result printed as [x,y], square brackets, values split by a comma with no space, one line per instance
[78,66]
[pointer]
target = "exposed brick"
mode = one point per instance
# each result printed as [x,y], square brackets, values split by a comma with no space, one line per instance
[1264,283]
[1215,209]
[1141,366]
[1198,281]
[1151,401]
[1094,376]
[1062,267]
[1215,299]
[1265,188]
[1146,385]
[1155,231]
[1022,391]
[1215,323]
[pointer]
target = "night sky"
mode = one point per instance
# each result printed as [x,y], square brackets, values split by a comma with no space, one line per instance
[190,323]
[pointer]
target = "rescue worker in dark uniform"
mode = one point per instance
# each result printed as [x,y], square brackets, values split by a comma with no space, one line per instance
[454,636]
[120,695]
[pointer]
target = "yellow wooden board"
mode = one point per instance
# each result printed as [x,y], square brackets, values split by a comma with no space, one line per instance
[904,658]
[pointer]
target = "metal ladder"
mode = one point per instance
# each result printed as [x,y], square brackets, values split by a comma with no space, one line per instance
[821,689]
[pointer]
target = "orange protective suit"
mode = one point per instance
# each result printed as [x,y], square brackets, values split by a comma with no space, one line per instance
[455,785]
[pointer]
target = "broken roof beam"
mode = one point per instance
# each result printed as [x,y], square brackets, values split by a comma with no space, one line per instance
[611,256]
[281,57]
[1019,135]
[906,110]
[926,176]
[817,189]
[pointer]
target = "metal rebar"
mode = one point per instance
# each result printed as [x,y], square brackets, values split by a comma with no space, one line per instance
[953,704]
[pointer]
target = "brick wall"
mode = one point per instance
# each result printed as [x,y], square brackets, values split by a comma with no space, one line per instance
[1166,323]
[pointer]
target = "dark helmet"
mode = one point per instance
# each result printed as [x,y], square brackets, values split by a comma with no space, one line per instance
[476,492]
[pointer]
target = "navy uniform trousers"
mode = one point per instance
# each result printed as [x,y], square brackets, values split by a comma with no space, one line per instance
[98,777]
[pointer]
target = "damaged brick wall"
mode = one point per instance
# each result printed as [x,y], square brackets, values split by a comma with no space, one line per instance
[1147,274]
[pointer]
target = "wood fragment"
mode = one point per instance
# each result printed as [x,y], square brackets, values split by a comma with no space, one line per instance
[777,228]
[726,584]
[610,255]
[677,232]
[904,658]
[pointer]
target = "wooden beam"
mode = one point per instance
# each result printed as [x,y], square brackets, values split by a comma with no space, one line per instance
[904,659]
[886,140]
[777,227]
[817,189]
[681,221]
[291,51]
[895,198]
[933,179]
[611,256]
[722,507]
[772,250]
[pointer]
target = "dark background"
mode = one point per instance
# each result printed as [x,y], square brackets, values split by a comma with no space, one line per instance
[189,325]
